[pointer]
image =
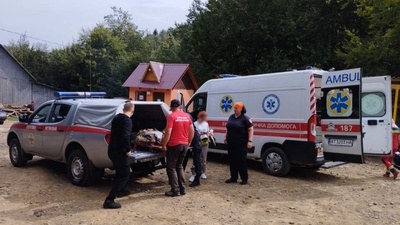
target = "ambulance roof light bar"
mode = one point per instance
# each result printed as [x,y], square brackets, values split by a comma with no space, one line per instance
[67,95]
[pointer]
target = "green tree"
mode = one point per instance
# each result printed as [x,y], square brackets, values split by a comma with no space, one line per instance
[377,52]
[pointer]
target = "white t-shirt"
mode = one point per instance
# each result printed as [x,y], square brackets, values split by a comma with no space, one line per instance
[202,127]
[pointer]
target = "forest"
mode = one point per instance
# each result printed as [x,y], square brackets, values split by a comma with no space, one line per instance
[226,36]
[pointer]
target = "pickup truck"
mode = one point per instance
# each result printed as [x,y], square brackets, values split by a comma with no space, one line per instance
[76,131]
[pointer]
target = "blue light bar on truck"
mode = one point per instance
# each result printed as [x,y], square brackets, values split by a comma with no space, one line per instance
[63,95]
[227,75]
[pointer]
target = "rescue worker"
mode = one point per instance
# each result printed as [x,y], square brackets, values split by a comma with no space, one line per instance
[119,150]
[238,137]
[31,107]
[387,160]
[178,136]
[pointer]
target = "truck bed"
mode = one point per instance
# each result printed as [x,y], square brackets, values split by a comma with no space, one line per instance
[138,156]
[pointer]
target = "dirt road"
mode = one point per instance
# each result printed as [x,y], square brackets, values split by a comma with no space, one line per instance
[40,193]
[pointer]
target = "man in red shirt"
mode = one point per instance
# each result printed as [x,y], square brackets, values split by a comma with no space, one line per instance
[178,136]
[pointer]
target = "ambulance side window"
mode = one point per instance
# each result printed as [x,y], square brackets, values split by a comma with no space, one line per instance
[373,104]
[339,103]
[41,115]
[197,104]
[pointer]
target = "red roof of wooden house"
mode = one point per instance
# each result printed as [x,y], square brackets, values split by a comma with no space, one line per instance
[156,75]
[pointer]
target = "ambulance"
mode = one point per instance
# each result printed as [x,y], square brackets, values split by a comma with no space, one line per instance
[303,118]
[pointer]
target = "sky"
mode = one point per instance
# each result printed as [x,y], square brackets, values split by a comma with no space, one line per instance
[61,21]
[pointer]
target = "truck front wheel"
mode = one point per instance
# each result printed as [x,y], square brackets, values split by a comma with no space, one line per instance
[79,168]
[275,162]
[16,153]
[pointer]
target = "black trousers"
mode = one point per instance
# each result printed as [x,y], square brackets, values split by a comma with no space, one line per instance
[197,160]
[237,153]
[122,171]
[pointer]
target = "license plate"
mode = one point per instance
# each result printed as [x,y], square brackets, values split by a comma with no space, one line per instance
[340,142]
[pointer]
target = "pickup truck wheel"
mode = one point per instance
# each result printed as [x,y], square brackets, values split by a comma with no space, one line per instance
[79,168]
[275,162]
[16,154]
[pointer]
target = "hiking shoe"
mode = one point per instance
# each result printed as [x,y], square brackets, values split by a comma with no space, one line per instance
[386,175]
[183,192]
[195,183]
[395,175]
[230,181]
[244,182]
[110,204]
[123,193]
[172,194]
[191,179]
[203,176]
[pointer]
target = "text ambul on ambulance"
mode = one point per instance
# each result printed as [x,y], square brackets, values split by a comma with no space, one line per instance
[296,113]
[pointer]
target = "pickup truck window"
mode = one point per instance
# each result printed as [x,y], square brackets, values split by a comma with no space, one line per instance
[41,115]
[59,113]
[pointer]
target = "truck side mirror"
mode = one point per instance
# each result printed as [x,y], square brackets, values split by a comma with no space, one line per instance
[23,118]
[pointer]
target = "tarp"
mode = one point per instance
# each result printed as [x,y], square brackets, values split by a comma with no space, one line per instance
[92,113]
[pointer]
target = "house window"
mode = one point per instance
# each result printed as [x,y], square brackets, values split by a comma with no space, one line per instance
[140,96]
[158,96]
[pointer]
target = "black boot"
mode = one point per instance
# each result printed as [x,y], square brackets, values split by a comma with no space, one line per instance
[110,204]
[195,183]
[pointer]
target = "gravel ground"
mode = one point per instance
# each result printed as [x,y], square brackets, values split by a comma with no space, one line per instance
[40,193]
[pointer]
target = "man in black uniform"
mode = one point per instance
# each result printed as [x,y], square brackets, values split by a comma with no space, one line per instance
[31,107]
[118,152]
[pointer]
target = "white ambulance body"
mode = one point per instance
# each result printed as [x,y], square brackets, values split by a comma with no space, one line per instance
[283,108]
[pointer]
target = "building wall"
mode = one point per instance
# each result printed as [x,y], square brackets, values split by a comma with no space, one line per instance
[168,94]
[42,93]
[132,93]
[187,94]
[17,86]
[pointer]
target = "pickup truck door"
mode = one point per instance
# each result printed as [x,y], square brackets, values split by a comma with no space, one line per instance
[56,129]
[33,133]
[341,116]
[376,108]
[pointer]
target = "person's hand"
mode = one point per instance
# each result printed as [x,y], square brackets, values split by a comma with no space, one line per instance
[128,153]
[164,148]
[225,141]
[249,145]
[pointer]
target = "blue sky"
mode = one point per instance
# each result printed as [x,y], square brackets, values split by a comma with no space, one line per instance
[60,21]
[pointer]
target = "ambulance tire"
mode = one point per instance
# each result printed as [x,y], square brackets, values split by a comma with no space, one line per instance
[275,162]
[17,156]
[79,168]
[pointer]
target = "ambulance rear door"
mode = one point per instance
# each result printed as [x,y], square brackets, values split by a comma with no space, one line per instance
[376,110]
[341,123]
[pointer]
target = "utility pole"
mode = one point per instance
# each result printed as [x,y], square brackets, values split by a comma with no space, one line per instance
[90,71]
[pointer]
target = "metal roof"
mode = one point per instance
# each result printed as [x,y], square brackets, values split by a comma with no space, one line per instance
[167,74]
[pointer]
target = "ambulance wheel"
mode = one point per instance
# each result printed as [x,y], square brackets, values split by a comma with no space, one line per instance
[275,162]
[17,157]
[79,168]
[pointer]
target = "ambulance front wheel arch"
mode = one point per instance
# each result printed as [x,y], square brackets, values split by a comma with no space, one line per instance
[275,162]
[17,156]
